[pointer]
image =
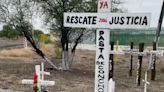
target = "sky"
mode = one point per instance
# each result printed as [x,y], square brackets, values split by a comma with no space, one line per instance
[133,6]
[147,6]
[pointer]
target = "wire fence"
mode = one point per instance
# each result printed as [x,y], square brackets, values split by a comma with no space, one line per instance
[137,36]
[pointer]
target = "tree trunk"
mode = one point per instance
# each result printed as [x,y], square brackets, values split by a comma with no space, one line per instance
[65,61]
[71,58]
[67,58]
[65,52]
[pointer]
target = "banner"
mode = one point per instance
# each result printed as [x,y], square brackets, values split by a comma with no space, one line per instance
[107,20]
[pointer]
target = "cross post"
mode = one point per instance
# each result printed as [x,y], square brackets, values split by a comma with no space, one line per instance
[145,82]
[103,21]
[41,83]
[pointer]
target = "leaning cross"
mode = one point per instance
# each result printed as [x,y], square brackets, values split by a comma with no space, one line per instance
[104,21]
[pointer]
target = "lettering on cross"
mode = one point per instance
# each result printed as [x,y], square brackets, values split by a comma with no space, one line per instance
[103,20]
[103,5]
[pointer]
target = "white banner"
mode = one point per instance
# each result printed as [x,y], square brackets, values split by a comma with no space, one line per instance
[107,20]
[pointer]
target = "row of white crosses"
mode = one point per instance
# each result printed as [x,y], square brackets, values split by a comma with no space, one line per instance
[157,53]
[39,70]
[152,53]
[104,20]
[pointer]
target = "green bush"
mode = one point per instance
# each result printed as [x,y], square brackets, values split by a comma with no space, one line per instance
[58,52]
[48,41]
[9,33]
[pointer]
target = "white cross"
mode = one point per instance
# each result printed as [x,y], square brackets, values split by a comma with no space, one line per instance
[152,53]
[136,52]
[111,85]
[146,82]
[116,52]
[40,77]
[104,21]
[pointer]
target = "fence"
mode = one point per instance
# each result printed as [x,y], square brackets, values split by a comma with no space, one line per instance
[125,36]
[137,36]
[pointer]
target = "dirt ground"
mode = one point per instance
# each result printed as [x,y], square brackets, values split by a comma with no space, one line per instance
[80,78]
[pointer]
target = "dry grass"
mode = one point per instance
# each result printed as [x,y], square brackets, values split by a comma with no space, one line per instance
[161,64]
[81,77]
[16,53]
[46,48]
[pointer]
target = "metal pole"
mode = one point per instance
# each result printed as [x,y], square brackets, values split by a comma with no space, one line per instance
[159,25]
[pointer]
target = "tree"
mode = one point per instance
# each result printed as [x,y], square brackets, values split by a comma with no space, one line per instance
[53,11]
[18,13]
[9,32]
[116,8]
[36,35]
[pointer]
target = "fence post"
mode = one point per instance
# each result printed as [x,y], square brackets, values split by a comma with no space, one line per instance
[131,59]
[140,56]
[111,61]
[153,68]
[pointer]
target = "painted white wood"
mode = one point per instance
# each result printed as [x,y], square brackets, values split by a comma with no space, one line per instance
[102,49]
[42,70]
[38,73]
[116,52]
[46,73]
[104,6]
[47,83]
[104,20]
[27,81]
[102,62]
[40,77]
[146,82]
[111,85]
[25,42]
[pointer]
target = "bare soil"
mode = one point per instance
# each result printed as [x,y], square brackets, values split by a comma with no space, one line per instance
[81,77]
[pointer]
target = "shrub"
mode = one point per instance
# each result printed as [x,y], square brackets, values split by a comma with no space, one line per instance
[58,53]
